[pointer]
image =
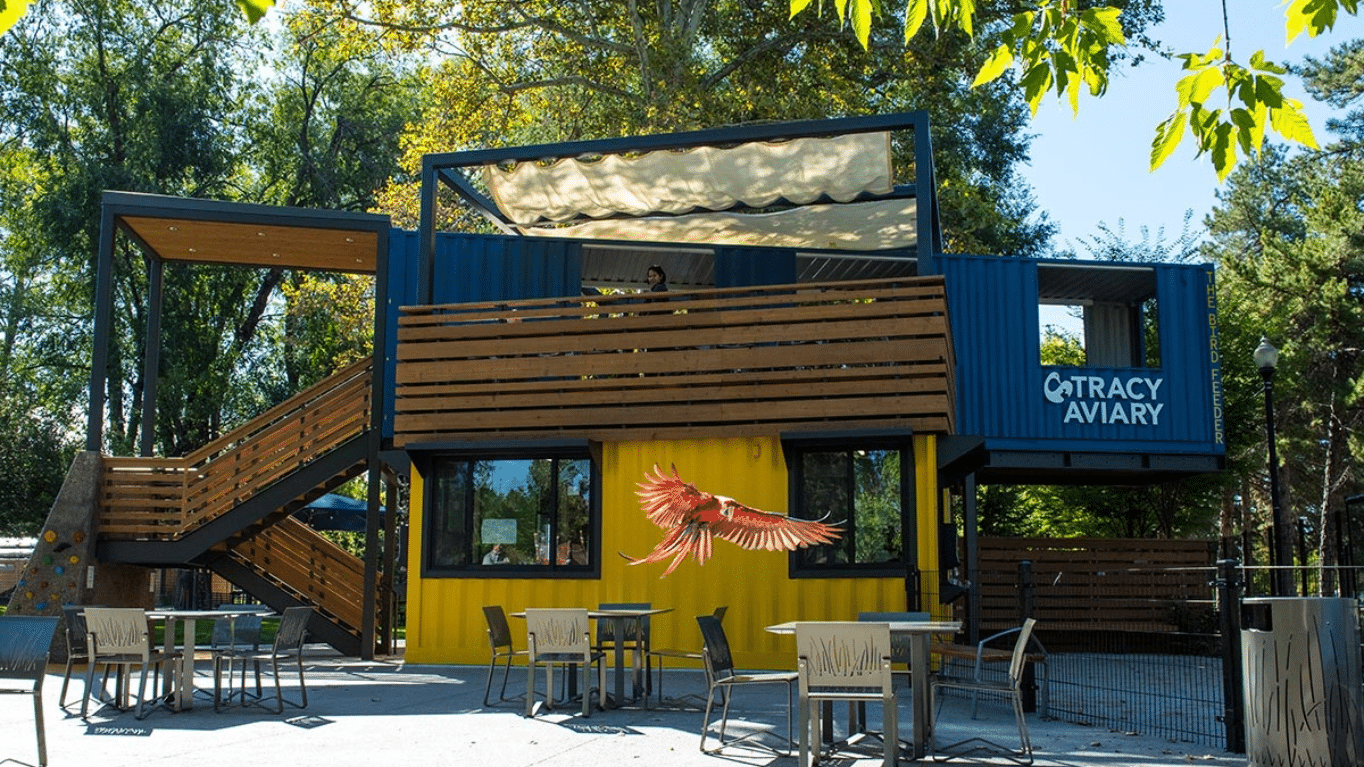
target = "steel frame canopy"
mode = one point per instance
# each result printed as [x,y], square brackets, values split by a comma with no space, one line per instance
[815,184]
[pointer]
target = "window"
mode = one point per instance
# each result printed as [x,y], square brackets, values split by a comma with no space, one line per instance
[1098,315]
[520,517]
[864,490]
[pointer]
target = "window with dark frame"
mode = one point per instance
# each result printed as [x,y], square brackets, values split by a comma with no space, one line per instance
[534,516]
[864,491]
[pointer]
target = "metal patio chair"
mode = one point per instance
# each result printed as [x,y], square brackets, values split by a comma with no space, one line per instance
[287,647]
[77,651]
[721,677]
[635,641]
[120,638]
[849,662]
[561,636]
[233,635]
[25,641]
[662,653]
[1012,686]
[499,636]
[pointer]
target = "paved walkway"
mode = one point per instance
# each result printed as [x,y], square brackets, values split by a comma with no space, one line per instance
[386,713]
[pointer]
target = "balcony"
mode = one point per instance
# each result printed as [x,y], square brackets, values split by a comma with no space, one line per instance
[684,365]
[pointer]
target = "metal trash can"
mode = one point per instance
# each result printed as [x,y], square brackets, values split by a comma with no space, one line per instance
[1304,703]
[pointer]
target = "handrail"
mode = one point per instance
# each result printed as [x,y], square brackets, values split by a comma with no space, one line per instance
[164,498]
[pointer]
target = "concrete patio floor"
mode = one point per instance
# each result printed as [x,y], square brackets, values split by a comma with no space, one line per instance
[385,712]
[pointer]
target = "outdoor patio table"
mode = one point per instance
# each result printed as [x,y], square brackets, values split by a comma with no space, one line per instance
[184,688]
[919,633]
[621,618]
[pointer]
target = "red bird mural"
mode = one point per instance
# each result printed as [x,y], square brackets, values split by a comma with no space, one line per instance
[693,517]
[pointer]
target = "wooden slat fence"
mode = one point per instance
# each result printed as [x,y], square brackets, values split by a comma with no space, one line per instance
[728,362]
[1097,584]
[164,498]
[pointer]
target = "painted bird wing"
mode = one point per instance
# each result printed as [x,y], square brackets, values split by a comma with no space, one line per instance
[668,501]
[692,539]
[755,529]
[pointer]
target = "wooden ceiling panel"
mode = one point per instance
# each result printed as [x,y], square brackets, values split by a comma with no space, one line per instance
[245,244]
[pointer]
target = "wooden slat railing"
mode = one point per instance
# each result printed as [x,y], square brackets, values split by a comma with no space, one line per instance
[164,498]
[317,570]
[729,362]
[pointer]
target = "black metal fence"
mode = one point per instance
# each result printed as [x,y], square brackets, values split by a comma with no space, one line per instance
[1179,680]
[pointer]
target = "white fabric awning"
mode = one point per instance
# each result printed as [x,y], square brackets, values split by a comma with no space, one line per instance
[861,226]
[756,174]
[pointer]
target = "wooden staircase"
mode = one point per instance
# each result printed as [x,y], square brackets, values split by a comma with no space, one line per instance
[228,506]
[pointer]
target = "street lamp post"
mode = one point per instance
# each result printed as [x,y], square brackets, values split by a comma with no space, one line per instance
[1266,360]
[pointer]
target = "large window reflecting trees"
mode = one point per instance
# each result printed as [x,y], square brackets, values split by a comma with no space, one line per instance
[494,516]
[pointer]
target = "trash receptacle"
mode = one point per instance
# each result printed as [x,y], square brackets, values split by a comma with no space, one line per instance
[1302,682]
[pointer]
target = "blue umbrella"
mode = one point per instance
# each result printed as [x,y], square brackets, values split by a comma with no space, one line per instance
[336,512]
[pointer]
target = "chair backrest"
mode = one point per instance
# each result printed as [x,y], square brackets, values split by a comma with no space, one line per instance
[293,627]
[499,633]
[838,654]
[117,631]
[74,633]
[556,631]
[1020,650]
[899,643]
[719,613]
[24,644]
[606,630]
[238,630]
[719,662]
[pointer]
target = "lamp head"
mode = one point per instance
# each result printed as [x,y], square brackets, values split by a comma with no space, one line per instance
[1266,357]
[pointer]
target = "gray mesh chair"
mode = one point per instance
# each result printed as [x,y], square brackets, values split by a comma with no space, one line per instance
[24,644]
[287,648]
[499,636]
[233,634]
[1011,686]
[76,649]
[658,654]
[119,638]
[634,641]
[722,678]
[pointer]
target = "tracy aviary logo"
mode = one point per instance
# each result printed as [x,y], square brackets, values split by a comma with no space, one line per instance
[1111,399]
[694,517]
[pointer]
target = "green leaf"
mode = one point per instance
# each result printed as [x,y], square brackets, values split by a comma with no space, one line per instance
[799,5]
[915,14]
[999,61]
[1036,82]
[10,12]
[1104,22]
[1260,64]
[1289,121]
[1204,83]
[1223,150]
[1168,136]
[255,9]
[861,21]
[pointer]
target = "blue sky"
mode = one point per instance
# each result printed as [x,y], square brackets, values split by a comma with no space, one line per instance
[1093,168]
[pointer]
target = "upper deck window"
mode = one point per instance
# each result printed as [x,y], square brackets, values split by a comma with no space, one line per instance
[1098,315]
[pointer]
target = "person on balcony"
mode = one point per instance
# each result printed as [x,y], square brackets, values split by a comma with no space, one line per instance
[658,279]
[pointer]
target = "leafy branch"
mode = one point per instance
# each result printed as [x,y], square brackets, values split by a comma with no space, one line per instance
[1057,46]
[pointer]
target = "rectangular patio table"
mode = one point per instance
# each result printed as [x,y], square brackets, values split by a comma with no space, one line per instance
[919,633]
[620,618]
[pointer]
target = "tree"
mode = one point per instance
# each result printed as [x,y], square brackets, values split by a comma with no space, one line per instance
[499,69]
[1069,45]
[1286,236]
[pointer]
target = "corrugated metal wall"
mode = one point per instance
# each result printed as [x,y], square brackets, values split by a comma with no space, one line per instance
[445,619]
[471,268]
[995,329]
